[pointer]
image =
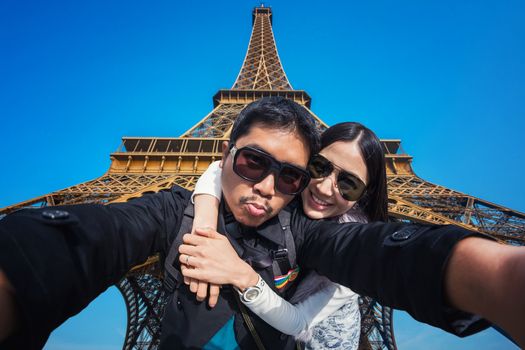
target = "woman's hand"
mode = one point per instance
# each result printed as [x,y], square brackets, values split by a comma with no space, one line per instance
[214,260]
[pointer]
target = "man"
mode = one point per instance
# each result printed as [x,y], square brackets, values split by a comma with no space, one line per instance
[56,260]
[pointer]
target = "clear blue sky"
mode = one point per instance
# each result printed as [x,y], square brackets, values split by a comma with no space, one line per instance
[446,77]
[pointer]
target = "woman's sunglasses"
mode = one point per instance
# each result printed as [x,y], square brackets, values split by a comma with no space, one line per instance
[253,165]
[350,186]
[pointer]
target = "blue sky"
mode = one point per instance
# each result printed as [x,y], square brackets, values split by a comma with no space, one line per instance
[446,77]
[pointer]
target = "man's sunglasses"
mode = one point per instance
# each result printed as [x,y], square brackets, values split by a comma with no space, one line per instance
[253,165]
[350,186]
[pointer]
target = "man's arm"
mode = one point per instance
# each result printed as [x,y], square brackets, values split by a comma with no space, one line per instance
[422,269]
[59,259]
[488,279]
[7,305]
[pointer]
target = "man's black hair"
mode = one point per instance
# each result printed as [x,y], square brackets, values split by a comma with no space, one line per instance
[279,113]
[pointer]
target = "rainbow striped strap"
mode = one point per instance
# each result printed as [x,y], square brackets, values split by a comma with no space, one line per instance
[290,276]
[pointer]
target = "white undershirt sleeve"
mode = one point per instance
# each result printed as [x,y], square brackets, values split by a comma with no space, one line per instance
[209,182]
[296,319]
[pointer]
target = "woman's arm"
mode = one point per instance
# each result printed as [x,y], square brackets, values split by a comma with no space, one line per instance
[219,263]
[206,198]
[209,182]
[297,319]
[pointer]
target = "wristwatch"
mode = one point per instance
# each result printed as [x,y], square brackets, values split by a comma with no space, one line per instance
[251,293]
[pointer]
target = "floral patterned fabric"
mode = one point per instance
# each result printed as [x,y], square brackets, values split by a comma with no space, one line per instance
[340,330]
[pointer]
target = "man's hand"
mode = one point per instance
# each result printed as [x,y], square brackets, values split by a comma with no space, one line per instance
[214,260]
[486,278]
[7,307]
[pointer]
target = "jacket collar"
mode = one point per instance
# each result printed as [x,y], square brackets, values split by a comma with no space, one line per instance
[271,229]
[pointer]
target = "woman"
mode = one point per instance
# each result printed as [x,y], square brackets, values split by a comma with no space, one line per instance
[349,185]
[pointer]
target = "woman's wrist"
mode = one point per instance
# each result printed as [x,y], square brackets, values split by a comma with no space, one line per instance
[246,277]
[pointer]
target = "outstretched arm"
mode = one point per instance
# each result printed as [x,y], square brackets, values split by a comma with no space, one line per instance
[488,279]
[57,260]
[445,276]
[7,305]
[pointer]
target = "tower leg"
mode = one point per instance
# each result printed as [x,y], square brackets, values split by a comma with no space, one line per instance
[145,301]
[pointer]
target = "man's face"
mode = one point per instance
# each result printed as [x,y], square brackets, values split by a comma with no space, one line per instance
[252,203]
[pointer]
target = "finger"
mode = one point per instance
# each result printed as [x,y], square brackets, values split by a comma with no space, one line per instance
[190,261]
[185,268]
[185,279]
[191,239]
[189,250]
[202,291]
[195,275]
[184,259]
[214,295]
[206,232]
[194,284]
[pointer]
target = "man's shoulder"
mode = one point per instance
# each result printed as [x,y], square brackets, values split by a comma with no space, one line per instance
[178,198]
[299,222]
[294,207]
[295,210]
[169,200]
[180,192]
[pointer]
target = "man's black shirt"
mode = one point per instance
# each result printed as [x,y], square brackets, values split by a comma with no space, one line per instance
[59,263]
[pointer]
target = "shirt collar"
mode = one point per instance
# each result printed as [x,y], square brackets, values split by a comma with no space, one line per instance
[271,229]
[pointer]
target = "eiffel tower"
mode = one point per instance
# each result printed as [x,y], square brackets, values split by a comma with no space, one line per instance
[143,165]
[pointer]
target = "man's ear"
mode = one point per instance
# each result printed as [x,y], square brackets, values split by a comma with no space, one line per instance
[225,152]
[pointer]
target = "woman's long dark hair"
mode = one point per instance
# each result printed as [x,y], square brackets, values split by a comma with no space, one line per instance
[374,202]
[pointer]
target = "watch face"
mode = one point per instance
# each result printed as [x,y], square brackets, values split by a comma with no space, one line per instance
[251,294]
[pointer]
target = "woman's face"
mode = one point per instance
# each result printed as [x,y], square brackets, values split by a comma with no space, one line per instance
[321,199]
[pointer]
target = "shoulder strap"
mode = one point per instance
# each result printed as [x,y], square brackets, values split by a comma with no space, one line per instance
[284,260]
[249,323]
[289,241]
[172,276]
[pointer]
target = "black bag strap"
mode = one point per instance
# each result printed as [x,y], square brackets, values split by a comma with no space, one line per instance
[249,323]
[172,276]
[285,259]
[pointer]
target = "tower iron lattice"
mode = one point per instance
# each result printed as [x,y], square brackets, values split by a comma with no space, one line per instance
[144,165]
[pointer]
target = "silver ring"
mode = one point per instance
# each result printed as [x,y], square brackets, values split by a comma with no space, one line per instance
[187,259]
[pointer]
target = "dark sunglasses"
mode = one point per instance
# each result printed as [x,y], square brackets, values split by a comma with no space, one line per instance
[350,186]
[253,165]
